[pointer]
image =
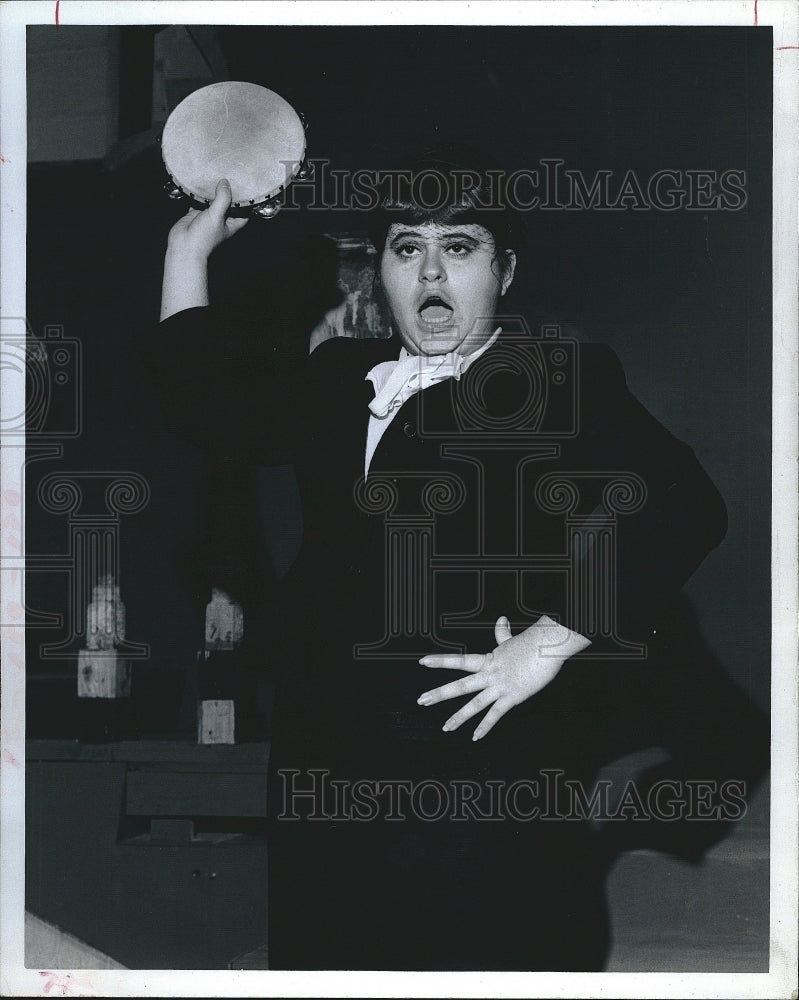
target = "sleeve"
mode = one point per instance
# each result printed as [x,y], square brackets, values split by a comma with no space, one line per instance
[679,697]
[230,378]
[713,742]
[671,518]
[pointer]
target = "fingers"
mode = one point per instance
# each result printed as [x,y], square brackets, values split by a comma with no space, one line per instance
[234,225]
[464,685]
[455,661]
[221,203]
[502,630]
[184,222]
[492,716]
[477,704]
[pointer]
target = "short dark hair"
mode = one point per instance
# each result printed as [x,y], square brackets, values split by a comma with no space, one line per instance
[450,185]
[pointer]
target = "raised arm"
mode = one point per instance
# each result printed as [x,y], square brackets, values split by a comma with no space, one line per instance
[209,364]
[231,375]
[191,241]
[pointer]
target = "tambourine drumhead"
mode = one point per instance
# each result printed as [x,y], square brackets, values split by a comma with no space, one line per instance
[236,130]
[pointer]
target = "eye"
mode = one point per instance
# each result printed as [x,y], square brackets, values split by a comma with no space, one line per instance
[458,249]
[406,250]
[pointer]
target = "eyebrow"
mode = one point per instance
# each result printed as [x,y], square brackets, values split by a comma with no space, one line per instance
[458,234]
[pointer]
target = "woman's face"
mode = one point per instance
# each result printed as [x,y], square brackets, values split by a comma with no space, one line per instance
[442,284]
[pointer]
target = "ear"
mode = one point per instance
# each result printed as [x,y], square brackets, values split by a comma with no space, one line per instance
[510,270]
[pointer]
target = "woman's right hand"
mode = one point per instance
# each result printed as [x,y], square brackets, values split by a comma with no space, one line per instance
[191,241]
[200,231]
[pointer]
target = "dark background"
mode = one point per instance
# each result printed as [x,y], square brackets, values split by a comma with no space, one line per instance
[684,297]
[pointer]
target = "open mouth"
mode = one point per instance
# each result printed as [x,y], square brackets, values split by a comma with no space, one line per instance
[434,311]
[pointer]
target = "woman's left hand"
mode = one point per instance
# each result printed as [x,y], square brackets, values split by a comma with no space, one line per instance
[518,668]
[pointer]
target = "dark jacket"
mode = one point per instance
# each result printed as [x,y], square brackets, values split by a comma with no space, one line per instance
[536,484]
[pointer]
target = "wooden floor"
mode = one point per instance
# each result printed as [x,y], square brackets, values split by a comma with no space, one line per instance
[49,947]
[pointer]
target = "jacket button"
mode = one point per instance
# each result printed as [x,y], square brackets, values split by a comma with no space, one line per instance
[409,430]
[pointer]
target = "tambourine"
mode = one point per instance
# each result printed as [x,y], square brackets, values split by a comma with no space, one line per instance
[240,131]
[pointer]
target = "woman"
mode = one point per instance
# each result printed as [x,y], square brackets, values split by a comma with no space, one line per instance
[475,499]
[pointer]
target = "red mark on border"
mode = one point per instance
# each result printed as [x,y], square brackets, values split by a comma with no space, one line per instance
[58,4]
[60,983]
[777,48]
[755,12]
[4,159]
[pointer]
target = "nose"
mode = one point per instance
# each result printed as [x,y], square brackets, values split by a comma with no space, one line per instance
[432,265]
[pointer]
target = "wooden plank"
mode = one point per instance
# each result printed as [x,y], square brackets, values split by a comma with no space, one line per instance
[167,752]
[101,674]
[171,830]
[216,721]
[182,793]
